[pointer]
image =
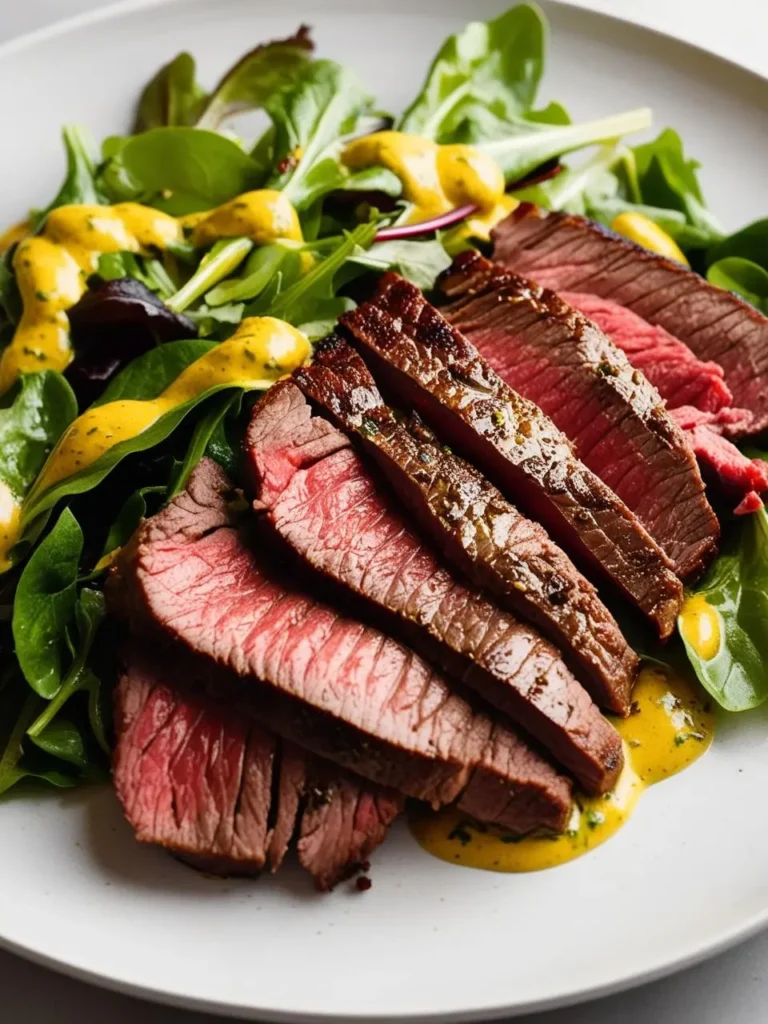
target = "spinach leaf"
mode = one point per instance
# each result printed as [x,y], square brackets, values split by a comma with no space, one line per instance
[204,430]
[179,170]
[495,65]
[17,709]
[42,407]
[736,591]
[519,145]
[122,529]
[45,604]
[750,243]
[80,183]
[308,120]
[747,279]
[256,77]
[64,740]
[419,262]
[90,611]
[150,374]
[172,98]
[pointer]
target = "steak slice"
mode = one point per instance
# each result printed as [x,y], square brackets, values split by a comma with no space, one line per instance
[473,525]
[341,689]
[201,781]
[437,370]
[569,253]
[320,498]
[563,362]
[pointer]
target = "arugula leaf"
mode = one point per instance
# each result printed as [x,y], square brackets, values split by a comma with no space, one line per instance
[745,278]
[90,611]
[204,430]
[45,604]
[224,257]
[256,77]
[172,98]
[736,591]
[264,262]
[308,121]
[80,183]
[42,407]
[750,243]
[179,170]
[495,65]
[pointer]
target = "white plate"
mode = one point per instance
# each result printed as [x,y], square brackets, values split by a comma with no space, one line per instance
[685,878]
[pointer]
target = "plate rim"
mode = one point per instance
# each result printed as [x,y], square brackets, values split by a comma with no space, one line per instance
[693,955]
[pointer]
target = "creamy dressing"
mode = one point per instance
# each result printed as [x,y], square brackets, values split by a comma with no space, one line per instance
[700,626]
[670,727]
[436,179]
[260,351]
[52,269]
[643,231]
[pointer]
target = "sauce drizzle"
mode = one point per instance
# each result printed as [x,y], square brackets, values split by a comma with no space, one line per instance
[670,727]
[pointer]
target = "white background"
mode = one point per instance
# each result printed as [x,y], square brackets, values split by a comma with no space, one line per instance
[732,989]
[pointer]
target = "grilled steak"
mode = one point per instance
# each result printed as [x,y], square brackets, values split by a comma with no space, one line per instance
[227,795]
[553,355]
[320,498]
[437,370]
[471,523]
[572,254]
[341,689]
[697,398]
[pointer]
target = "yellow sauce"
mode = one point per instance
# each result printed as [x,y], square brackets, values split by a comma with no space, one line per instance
[642,230]
[700,626]
[10,524]
[436,179]
[13,234]
[671,726]
[260,351]
[52,268]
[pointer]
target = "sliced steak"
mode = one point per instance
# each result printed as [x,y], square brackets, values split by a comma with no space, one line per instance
[549,352]
[696,395]
[339,688]
[569,253]
[225,794]
[472,524]
[321,499]
[433,367]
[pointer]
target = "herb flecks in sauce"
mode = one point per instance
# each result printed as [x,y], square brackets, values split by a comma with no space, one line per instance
[437,179]
[260,351]
[52,269]
[671,727]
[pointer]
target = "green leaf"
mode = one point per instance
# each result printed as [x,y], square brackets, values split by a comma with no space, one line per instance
[204,430]
[519,145]
[180,170]
[309,120]
[224,258]
[262,266]
[42,407]
[496,65]
[45,605]
[736,591]
[150,374]
[80,184]
[17,709]
[419,262]
[256,77]
[751,243]
[745,278]
[128,518]
[172,98]
[64,740]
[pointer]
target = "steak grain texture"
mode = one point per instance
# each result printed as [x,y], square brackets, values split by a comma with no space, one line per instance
[322,500]
[475,528]
[549,352]
[434,368]
[334,686]
[569,253]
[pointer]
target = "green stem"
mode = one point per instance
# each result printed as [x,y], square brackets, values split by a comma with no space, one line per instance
[71,685]
[222,260]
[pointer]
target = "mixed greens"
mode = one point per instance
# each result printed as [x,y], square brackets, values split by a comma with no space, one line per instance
[148,315]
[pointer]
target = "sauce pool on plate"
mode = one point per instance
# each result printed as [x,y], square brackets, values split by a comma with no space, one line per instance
[670,727]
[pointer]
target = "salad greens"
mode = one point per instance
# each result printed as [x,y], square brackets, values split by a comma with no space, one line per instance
[184,158]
